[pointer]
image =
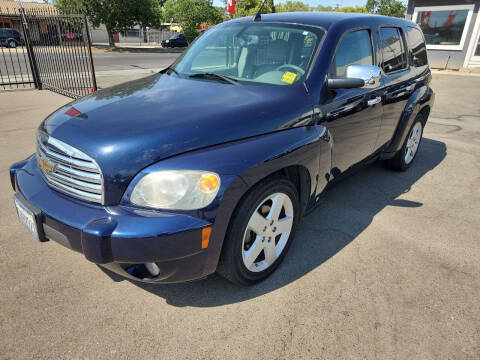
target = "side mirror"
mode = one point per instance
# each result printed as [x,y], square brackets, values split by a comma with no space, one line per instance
[357,76]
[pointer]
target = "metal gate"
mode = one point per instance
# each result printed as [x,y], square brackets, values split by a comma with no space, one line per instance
[46,50]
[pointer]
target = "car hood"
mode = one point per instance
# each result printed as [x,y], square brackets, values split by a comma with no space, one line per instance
[130,126]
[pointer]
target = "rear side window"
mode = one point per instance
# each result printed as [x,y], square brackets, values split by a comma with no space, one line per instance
[418,50]
[354,48]
[393,50]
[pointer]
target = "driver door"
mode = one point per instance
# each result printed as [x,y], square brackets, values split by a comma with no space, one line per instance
[353,116]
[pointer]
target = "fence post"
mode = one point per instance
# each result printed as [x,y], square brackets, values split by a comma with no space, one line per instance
[31,55]
[90,57]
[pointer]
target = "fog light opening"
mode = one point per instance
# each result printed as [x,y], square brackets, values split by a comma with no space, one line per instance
[145,271]
[152,268]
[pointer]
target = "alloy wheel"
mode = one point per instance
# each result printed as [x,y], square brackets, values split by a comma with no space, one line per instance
[413,142]
[267,232]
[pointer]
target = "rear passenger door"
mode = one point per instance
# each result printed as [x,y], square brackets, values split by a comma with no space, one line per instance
[398,80]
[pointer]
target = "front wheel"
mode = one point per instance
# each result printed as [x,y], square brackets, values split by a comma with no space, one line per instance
[261,231]
[12,44]
[405,156]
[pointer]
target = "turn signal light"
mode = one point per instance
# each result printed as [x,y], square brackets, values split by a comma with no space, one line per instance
[209,183]
[206,231]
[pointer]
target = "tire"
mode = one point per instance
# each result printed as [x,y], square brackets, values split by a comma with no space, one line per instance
[260,233]
[12,44]
[404,158]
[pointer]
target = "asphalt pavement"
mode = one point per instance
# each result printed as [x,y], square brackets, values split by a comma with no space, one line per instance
[388,267]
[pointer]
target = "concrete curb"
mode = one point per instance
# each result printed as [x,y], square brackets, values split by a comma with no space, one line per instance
[131,48]
[453,72]
[127,72]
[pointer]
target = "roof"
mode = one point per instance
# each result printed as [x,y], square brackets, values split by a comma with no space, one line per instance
[325,19]
[11,7]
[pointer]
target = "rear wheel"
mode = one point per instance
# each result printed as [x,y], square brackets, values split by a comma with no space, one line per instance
[405,156]
[261,231]
[12,44]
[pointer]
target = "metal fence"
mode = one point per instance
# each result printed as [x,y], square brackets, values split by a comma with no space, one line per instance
[145,36]
[46,50]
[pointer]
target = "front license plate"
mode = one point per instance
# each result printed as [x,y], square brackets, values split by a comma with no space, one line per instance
[28,219]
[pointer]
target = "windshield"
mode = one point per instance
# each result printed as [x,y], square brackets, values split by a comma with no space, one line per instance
[264,53]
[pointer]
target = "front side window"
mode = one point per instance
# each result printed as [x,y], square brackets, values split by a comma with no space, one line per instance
[262,53]
[354,48]
[444,27]
[416,44]
[393,50]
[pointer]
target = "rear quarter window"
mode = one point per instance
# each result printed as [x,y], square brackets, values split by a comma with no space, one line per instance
[394,53]
[416,44]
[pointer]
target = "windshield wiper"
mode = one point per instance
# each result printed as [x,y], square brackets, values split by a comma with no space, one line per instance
[211,75]
[169,68]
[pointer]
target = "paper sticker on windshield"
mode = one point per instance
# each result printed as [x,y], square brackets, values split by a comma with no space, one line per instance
[308,41]
[289,77]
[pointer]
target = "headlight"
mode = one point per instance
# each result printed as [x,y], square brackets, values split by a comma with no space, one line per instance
[176,189]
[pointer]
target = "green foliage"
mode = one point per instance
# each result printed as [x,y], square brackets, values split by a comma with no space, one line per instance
[250,7]
[352,9]
[292,6]
[116,15]
[322,8]
[394,8]
[191,14]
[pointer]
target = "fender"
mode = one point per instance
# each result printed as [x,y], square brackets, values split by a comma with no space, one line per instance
[422,97]
[242,164]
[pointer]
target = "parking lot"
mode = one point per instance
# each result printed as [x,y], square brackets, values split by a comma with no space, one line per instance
[388,267]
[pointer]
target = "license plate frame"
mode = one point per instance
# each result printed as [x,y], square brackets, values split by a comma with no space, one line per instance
[30,217]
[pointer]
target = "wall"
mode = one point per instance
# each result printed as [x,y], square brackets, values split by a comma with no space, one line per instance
[98,35]
[450,59]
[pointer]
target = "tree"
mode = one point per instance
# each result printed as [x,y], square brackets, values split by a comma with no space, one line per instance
[394,8]
[191,14]
[250,7]
[292,6]
[116,15]
[351,9]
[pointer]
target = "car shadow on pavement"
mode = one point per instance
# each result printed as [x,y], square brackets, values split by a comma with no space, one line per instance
[346,211]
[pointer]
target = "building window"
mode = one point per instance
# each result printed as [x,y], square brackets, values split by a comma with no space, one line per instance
[444,27]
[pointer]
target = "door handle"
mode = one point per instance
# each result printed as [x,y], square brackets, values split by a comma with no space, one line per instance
[374,101]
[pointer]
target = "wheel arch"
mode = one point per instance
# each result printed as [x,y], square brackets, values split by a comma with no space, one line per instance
[295,153]
[419,103]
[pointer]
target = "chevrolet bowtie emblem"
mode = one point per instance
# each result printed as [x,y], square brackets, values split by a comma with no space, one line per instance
[47,165]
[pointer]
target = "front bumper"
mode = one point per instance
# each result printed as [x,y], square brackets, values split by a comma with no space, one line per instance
[120,238]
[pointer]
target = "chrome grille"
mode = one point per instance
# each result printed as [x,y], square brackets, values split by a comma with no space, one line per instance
[69,170]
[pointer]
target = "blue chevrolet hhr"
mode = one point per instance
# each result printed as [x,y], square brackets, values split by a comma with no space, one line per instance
[208,165]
